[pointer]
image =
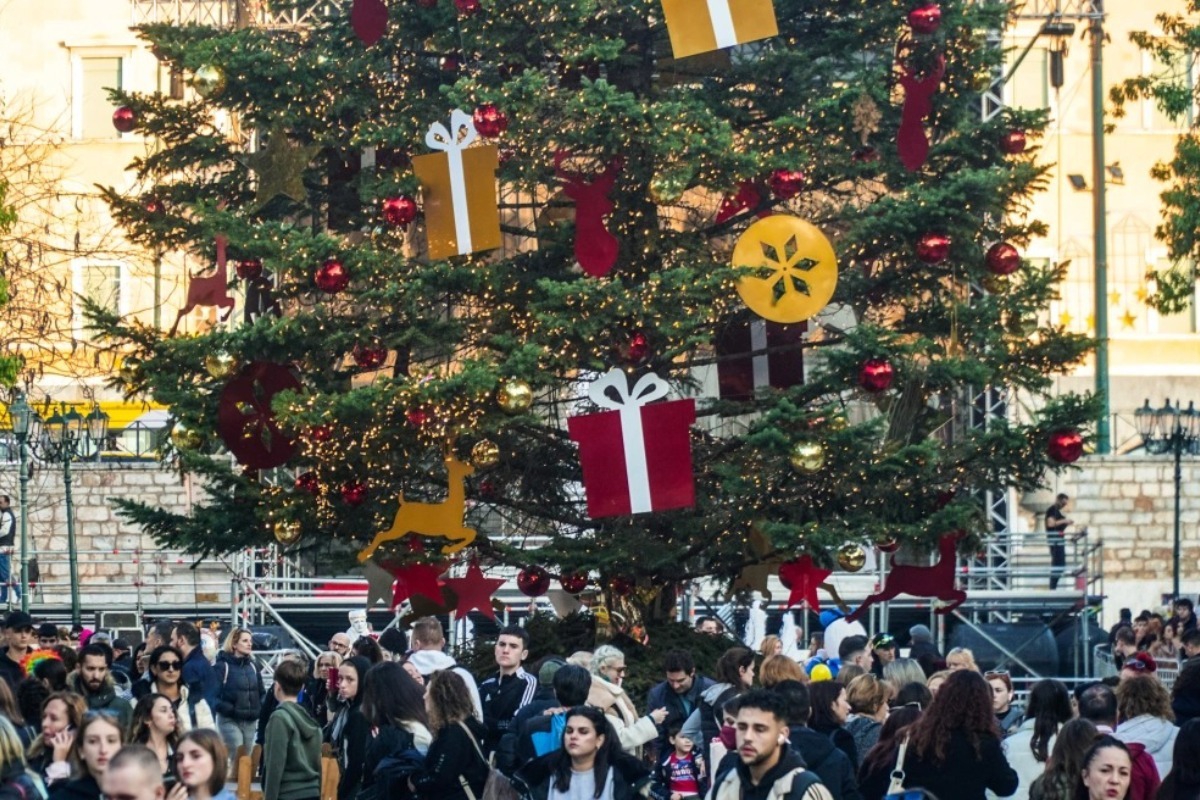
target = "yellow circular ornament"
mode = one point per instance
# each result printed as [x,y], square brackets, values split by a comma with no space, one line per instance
[851,557]
[287,532]
[184,438]
[515,396]
[208,81]
[220,365]
[807,456]
[485,454]
[789,269]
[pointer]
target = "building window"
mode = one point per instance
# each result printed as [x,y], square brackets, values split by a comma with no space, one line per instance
[93,108]
[101,284]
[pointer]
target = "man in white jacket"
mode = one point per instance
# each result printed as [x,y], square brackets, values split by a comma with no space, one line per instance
[428,642]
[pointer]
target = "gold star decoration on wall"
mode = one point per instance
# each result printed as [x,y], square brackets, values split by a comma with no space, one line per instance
[280,168]
[1128,318]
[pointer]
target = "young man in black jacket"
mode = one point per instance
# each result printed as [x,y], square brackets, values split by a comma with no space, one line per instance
[503,695]
[764,765]
[818,750]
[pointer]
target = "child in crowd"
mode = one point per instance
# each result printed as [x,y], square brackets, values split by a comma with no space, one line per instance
[682,774]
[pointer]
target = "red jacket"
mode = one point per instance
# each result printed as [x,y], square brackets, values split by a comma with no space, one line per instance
[1144,779]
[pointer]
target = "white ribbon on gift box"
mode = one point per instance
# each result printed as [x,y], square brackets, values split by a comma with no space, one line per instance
[722,23]
[452,144]
[648,389]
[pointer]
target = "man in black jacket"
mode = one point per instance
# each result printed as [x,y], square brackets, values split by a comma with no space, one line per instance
[18,629]
[818,750]
[679,694]
[503,695]
[1185,694]
[543,734]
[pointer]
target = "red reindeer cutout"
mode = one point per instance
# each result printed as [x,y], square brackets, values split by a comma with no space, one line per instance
[936,581]
[210,290]
[911,141]
[595,247]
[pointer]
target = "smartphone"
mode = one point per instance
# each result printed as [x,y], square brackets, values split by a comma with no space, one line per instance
[333,680]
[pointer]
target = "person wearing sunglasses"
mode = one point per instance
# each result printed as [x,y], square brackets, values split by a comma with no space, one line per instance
[883,652]
[166,678]
[608,673]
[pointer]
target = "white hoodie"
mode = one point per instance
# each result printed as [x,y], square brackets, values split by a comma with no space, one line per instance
[1155,734]
[428,662]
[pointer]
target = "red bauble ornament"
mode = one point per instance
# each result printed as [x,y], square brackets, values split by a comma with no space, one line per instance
[925,19]
[876,375]
[369,357]
[533,581]
[450,63]
[490,121]
[124,119]
[932,248]
[621,586]
[1065,446]
[332,277]
[1013,142]
[573,582]
[417,417]
[636,349]
[320,433]
[399,211]
[153,205]
[307,482]
[249,269]
[786,183]
[1003,259]
[353,494]
[467,7]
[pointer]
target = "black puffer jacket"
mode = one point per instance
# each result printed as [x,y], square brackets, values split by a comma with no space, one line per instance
[240,695]
[827,760]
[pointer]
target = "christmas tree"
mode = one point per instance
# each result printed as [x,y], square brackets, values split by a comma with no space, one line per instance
[673,183]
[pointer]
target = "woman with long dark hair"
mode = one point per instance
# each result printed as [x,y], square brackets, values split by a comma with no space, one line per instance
[349,730]
[455,768]
[1047,710]
[1066,762]
[1183,782]
[154,725]
[830,710]
[1107,771]
[394,706]
[590,764]
[876,770]
[954,748]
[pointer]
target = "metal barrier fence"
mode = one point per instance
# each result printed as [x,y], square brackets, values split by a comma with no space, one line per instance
[1106,667]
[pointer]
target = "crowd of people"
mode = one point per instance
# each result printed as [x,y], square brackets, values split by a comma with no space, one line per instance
[86,717]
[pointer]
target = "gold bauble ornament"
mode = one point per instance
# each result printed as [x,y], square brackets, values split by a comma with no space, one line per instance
[807,456]
[287,532]
[515,396]
[995,284]
[668,187]
[788,269]
[851,557]
[184,438]
[209,81]
[220,365]
[485,454]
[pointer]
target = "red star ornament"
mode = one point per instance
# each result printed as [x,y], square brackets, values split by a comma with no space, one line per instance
[474,592]
[414,579]
[803,577]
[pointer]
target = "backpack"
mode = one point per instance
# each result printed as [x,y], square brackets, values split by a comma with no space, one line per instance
[497,787]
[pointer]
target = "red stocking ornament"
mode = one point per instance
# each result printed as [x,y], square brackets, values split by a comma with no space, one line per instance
[595,247]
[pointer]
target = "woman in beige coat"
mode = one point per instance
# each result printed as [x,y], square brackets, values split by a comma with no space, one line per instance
[606,694]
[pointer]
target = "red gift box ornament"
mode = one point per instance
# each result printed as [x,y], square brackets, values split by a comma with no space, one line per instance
[636,456]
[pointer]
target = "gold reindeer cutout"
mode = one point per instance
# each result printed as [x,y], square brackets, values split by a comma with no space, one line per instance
[441,520]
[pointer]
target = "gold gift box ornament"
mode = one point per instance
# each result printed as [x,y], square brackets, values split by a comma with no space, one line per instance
[461,215]
[701,26]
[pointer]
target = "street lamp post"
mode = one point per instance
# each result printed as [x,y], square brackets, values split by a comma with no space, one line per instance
[67,431]
[26,425]
[1169,429]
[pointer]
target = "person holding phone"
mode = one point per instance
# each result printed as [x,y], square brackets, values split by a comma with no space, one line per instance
[316,691]
[200,763]
[62,713]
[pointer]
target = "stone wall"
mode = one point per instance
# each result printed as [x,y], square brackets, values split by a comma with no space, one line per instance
[1129,502]
[119,567]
